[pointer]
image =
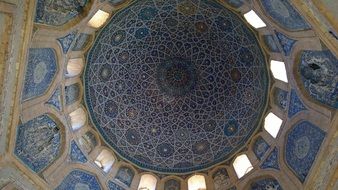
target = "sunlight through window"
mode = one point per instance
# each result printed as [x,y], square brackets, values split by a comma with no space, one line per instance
[242,165]
[278,70]
[98,19]
[254,20]
[272,124]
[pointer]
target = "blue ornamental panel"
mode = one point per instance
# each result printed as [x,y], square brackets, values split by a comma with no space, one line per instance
[76,155]
[125,175]
[221,179]
[319,74]
[265,184]
[295,105]
[41,69]
[58,12]
[38,142]
[271,43]
[72,93]
[55,100]
[286,43]
[66,41]
[272,160]
[285,15]
[79,179]
[302,145]
[176,86]
[172,184]
[280,98]
[260,147]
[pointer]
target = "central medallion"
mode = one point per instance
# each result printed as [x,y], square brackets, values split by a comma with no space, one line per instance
[176,77]
[176,86]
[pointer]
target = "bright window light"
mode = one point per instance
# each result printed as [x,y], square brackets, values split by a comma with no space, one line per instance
[78,118]
[254,20]
[242,165]
[105,160]
[147,182]
[74,67]
[272,124]
[98,19]
[197,182]
[278,70]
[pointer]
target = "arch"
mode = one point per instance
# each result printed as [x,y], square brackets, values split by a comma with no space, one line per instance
[105,160]
[254,20]
[98,19]
[74,67]
[242,165]
[221,178]
[72,93]
[125,175]
[197,182]
[172,184]
[272,124]
[88,141]
[78,118]
[278,70]
[147,182]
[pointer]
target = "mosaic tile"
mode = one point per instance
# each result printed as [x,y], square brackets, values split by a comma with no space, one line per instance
[81,42]
[67,41]
[58,12]
[260,147]
[280,98]
[41,69]
[271,161]
[172,184]
[286,43]
[116,2]
[319,74]
[267,183]
[158,74]
[76,155]
[79,179]
[295,105]
[38,142]
[55,99]
[271,43]
[125,175]
[235,3]
[72,93]
[302,146]
[221,179]
[285,15]
[114,186]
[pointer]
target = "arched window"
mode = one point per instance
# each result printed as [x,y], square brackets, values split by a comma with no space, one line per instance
[272,124]
[147,182]
[254,20]
[105,160]
[242,165]
[78,118]
[74,67]
[278,70]
[197,182]
[99,18]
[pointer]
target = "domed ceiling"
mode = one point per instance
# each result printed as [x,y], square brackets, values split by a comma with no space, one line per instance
[176,86]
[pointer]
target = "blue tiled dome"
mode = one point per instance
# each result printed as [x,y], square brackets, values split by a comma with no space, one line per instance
[176,86]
